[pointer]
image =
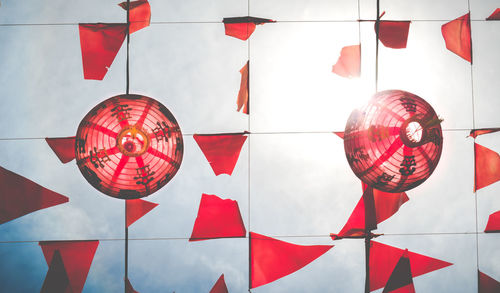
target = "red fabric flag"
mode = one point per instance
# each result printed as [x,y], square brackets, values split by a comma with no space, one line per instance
[393,34]
[381,205]
[242,27]
[76,256]
[349,63]
[487,166]
[20,196]
[136,208]
[456,34]
[487,284]
[401,279]
[220,286]
[339,134]
[384,258]
[242,101]
[495,15]
[63,147]
[100,42]
[217,218]
[56,280]
[477,132]
[139,15]
[271,259]
[493,223]
[221,150]
[128,287]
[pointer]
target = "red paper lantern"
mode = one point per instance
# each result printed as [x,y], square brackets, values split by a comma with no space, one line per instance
[129,146]
[394,143]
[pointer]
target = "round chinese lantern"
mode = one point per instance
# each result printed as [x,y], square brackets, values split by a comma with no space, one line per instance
[129,146]
[394,143]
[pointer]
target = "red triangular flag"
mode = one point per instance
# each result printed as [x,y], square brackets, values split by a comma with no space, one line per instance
[487,166]
[139,15]
[456,34]
[242,27]
[401,279]
[136,208]
[56,280]
[220,286]
[271,259]
[394,34]
[128,287]
[477,132]
[63,147]
[100,42]
[495,15]
[339,134]
[487,284]
[349,63]
[20,196]
[242,101]
[76,256]
[493,223]
[382,205]
[383,260]
[221,150]
[217,218]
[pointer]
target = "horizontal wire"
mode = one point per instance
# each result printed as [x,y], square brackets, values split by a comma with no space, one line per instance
[246,237]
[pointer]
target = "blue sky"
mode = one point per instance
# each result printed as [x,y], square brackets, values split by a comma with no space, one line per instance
[292,178]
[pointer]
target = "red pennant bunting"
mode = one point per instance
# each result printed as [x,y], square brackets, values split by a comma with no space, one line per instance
[349,63]
[128,287]
[456,34]
[495,15]
[139,15]
[384,258]
[100,42]
[271,259]
[493,223]
[217,218]
[382,205]
[487,284]
[477,132]
[63,147]
[487,166]
[220,286]
[339,134]
[76,256]
[221,150]
[242,101]
[20,196]
[394,34]
[401,279]
[136,208]
[242,27]
[56,280]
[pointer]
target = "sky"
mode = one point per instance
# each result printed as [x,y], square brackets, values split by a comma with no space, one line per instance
[292,180]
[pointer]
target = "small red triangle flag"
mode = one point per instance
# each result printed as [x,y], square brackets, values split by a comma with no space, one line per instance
[139,15]
[217,218]
[349,63]
[220,286]
[487,284]
[56,280]
[242,101]
[100,42]
[76,257]
[221,150]
[63,147]
[493,225]
[477,132]
[384,258]
[487,167]
[20,196]
[242,27]
[128,287]
[271,259]
[457,38]
[136,208]
[495,15]
[401,279]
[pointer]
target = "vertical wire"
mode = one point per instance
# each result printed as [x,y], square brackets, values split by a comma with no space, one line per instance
[377,28]
[127,92]
[249,161]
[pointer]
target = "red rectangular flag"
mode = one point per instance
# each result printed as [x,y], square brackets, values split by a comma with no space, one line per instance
[242,27]
[242,101]
[349,62]
[139,15]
